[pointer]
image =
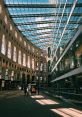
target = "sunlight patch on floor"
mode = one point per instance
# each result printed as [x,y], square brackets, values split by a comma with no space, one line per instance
[68,112]
[37,96]
[47,102]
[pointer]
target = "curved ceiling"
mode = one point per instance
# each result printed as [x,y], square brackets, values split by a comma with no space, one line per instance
[46,22]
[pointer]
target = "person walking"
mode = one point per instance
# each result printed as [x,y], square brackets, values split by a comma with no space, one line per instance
[25,90]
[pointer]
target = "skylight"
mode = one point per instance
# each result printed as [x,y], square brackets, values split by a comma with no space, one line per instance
[46,22]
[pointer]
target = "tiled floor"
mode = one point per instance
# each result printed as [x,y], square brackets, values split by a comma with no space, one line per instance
[15,104]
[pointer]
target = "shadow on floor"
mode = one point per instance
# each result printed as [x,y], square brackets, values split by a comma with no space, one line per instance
[15,104]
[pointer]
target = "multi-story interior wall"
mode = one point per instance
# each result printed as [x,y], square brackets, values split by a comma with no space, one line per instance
[19,58]
[66,76]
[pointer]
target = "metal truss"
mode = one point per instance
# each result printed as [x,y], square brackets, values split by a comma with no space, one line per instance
[44,15]
[54,20]
[40,5]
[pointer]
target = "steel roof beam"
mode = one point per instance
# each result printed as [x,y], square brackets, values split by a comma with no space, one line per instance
[39,39]
[44,45]
[37,22]
[42,41]
[44,33]
[46,22]
[41,33]
[44,15]
[44,37]
[35,29]
[42,28]
[15,5]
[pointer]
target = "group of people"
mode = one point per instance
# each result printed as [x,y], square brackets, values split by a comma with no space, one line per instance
[29,89]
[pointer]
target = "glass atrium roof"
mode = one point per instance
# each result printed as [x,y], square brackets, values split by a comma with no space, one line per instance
[46,22]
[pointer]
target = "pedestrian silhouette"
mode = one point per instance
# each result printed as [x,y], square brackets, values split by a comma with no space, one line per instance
[25,90]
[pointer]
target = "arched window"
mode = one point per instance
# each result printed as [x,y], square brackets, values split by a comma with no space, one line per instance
[28,63]
[3,45]
[9,50]
[0,9]
[33,49]
[5,18]
[24,59]
[14,54]
[28,47]
[20,39]
[32,63]
[72,62]
[11,27]
[19,57]
[25,43]
[37,65]
[15,34]
[41,66]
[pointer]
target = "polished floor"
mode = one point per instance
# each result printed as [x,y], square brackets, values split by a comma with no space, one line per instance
[15,104]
